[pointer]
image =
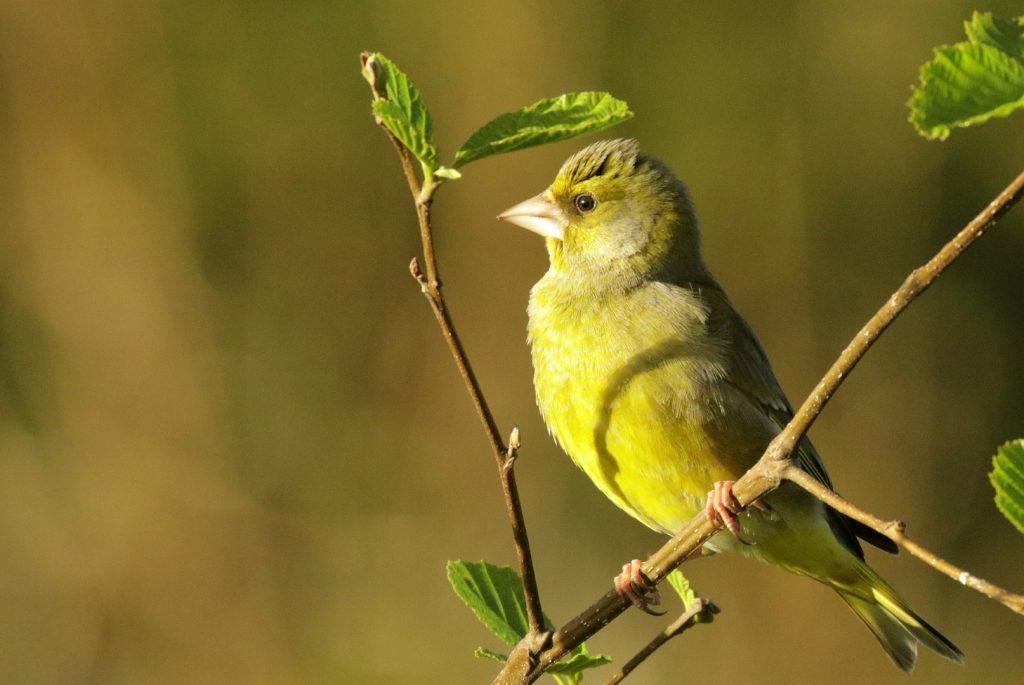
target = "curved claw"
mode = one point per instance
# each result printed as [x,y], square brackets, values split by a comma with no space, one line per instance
[723,506]
[635,586]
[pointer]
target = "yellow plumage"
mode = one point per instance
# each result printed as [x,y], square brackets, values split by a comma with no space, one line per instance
[656,388]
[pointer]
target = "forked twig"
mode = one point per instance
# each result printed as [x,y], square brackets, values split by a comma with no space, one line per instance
[430,284]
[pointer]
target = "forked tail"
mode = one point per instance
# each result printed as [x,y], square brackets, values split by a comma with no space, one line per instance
[896,626]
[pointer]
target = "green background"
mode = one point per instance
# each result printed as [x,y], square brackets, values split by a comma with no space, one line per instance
[233,448]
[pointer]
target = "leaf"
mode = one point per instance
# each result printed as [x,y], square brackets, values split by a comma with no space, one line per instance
[1005,34]
[566,678]
[448,173]
[494,594]
[546,121]
[966,84]
[682,587]
[570,670]
[1007,478]
[399,106]
[484,653]
[972,82]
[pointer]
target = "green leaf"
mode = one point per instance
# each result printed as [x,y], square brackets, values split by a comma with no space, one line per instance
[399,106]
[448,173]
[972,82]
[570,670]
[494,594]
[966,84]
[1005,34]
[566,678]
[484,653]
[1008,479]
[566,116]
[682,587]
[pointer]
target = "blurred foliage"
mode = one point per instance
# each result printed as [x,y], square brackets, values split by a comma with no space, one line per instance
[230,434]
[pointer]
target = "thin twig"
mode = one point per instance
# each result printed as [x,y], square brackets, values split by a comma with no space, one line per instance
[430,284]
[700,611]
[432,291]
[771,468]
[894,530]
[916,283]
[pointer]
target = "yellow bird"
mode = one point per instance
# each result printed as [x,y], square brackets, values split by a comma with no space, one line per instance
[657,388]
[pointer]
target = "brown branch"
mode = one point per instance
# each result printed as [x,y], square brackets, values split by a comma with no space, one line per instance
[894,530]
[769,471]
[700,611]
[430,284]
[759,480]
[916,283]
[504,457]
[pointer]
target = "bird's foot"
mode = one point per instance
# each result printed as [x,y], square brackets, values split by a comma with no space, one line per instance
[638,588]
[723,506]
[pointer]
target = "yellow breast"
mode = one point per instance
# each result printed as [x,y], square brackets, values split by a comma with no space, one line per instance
[636,401]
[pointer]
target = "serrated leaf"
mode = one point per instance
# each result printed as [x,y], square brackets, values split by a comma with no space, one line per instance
[494,594]
[682,587]
[546,121]
[966,84]
[400,108]
[1005,34]
[484,653]
[1007,478]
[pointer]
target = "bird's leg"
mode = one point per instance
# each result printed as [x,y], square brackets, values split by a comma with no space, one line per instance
[723,506]
[638,588]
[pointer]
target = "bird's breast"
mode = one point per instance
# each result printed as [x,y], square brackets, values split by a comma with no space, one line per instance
[628,387]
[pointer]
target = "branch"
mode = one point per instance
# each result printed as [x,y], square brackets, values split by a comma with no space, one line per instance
[777,460]
[894,530]
[917,282]
[700,611]
[504,457]
[430,285]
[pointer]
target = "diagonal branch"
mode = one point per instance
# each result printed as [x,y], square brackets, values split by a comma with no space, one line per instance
[699,611]
[777,460]
[917,282]
[430,284]
[894,530]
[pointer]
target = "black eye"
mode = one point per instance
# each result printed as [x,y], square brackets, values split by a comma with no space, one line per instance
[585,202]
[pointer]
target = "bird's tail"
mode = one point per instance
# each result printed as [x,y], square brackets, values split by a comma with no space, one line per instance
[896,626]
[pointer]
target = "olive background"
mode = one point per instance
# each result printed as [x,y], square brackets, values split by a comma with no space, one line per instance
[233,446]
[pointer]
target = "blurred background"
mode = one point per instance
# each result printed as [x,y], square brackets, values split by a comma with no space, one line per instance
[233,446]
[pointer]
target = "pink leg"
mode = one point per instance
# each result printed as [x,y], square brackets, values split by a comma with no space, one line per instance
[722,507]
[637,588]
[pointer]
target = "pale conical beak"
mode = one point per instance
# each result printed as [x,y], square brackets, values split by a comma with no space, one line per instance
[538,214]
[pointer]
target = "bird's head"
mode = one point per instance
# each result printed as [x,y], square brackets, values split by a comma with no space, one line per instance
[613,209]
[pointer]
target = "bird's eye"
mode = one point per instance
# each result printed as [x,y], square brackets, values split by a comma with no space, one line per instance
[585,202]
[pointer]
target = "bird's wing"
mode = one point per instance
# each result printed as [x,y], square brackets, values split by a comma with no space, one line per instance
[751,374]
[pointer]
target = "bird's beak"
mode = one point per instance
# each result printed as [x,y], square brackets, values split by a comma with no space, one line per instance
[538,214]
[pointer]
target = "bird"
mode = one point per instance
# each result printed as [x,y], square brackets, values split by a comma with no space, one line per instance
[651,381]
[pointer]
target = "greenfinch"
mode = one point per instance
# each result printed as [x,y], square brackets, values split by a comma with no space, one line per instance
[659,391]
